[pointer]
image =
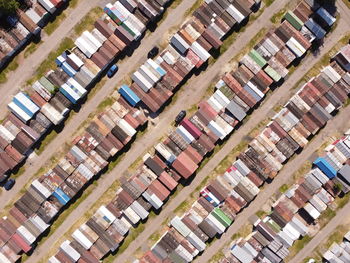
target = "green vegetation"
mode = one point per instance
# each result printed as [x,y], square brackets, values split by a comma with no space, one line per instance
[341,202]
[46,141]
[175,4]
[59,221]
[30,49]
[335,237]
[217,257]
[155,237]
[278,107]
[302,170]
[193,8]
[243,231]
[347,103]
[107,102]
[52,25]
[230,39]
[250,45]
[19,172]
[8,6]
[87,23]
[134,233]
[297,246]
[277,17]
[283,188]
[268,2]
[49,62]
[347,3]
[13,65]
[261,213]
[324,61]
[326,216]
[182,207]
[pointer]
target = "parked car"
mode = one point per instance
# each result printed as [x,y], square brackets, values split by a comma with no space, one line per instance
[9,184]
[153,52]
[180,117]
[113,69]
[3,178]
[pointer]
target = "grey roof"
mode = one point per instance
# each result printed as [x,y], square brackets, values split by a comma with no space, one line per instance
[236,110]
[345,172]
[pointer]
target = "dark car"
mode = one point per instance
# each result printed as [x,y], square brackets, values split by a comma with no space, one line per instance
[112,71]
[9,184]
[3,178]
[153,52]
[180,116]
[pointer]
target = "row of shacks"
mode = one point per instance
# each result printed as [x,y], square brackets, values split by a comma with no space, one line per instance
[17,29]
[54,94]
[33,213]
[103,138]
[190,47]
[49,100]
[149,187]
[176,158]
[183,164]
[339,253]
[289,131]
[297,210]
[77,68]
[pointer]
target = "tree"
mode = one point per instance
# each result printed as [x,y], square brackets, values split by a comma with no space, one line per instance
[8,6]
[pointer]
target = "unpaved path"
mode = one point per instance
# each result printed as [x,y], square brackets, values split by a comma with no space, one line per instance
[342,217]
[190,94]
[27,67]
[71,126]
[280,95]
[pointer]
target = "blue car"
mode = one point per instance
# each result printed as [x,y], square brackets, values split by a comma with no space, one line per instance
[112,71]
[9,184]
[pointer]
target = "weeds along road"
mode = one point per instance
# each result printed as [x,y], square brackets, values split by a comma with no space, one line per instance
[335,125]
[27,67]
[281,95]
[72,124]
[342,217]
[192,93]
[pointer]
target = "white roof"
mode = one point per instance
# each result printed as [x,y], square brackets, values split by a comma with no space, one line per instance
[82,239]
[29,104]
[66,247]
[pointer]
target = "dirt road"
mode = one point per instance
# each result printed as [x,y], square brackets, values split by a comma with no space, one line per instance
[27,67]
[125,67]
[335,125]
[341,218]
[280,95]
[190,94]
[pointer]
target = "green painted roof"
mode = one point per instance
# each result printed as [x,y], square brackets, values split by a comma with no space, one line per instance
[47,84]
[128,29]
[227,92]
[272,73]
[222,217]
[257,58]
[294,20]
[274,226]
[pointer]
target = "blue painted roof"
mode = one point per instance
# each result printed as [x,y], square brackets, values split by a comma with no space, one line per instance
[129,95]
[325,167]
